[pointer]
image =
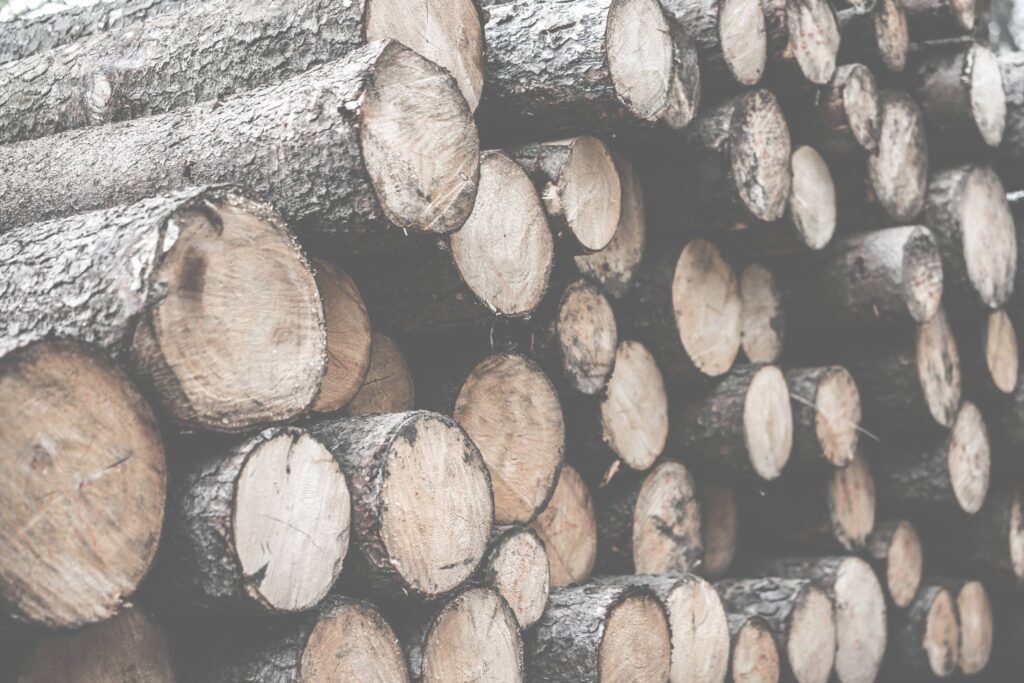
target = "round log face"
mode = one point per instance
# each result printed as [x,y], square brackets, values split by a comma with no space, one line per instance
[755,656]
[291,522]
[942,635]
[707,308]
[969,458]
[988,99]
[353,642]
[387,387]
[700,633]
[811,646]
[976,627]
[636,644]
[938,368]
[989,238]
[892,34]
[505,250]
[860,100]
[666,522]
[634,413]
[640,56]
[83,487]
[762,317]
[861,632]
[589,193]
[768,422]
[437,507]
[899,170]
[837,416]
[348,338]
[814,38]
[568,530]
[587,336]
[760,150]
[447,33]
[851,503]
[812,200]
[741,34]
[521,574]
[922,275]
[904,565]
[419,143]
[1001,351]
[474,638]
[720,521]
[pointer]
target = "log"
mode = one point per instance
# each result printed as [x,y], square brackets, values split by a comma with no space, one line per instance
[1010,156]
[129,646]
[975,621]
[826,416]
[743,428]
[989,356]
[649,523]
[800,616]
[570,174]
[340,174]
[720,527]
[422,507]
[259,527]
[755,655]
[762,316]
[859,603]
[700,629]
[803,41]
[595,633]
[875,35]
[156,284]
[474,636]
[966,210]
[388,385]
[936,19]
[348,338]
[685,306]
[516,565]
[990,543]
[927,635]
[568,529]
[894,549]
[83,470]
[843,118]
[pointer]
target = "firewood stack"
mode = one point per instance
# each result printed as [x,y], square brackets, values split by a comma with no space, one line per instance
[511,340]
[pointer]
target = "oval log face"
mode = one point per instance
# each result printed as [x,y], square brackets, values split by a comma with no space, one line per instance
[1002,356]
[760,148]
[988,99]
[851,503]
[635,645]
[634,413]
[640,56]
[904,564]
[762,316]
[590,193]
[988,235]
[814,38]
[968,458]
[860,101]
[899,170]
[976,628]
[666,522]
[700,632]
[741,34]
[938,368]
[768,422]
[892,34]
[569,531]
[812,200]
[811,646]
[922,275]
[519,569]
[588,336]
[352,642]
[837,416]
[755,656]
[707,307]
[861,632]
[942,635]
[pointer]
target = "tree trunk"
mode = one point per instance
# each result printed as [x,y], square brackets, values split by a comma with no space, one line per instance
[989,356]
[826,416]
[894,549]
[875,35]
[935,19]
[1010,156]
[422,507]
[154,284]
[762,315]
[927,635]
[388,386]
[516,565]
[803,40]
[348,338]
[341,160]
[755,656]
[720,527]
[568,529]
[83,469]
[594,633]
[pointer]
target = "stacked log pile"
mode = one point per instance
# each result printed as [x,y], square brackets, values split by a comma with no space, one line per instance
[511,340]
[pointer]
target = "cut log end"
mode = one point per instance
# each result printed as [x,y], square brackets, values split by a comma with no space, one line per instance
[640,56]
[811,646]
[988,236]
[892,34]
[922,275]
[511,411]
[762,316]
[861,632]
[904,564]
[505,250]
[348,338]
[969,458]
[569,530]
[84,470]
[837,416]
[899,170]
[938,369]
[388,386]
[988,99]
[587,336]
[720,519]
[768,422]
[760,150]
[860,102]
[589,193]
[419,142]
[700,631]
[941,637]
[666,522]
[1001,351]
[636,644]
[755,655]
[812,199]
[976,627]
[851,503]
[707,307]
[351,641]
[744,44]
[518,568]
[813,38]
[634,412]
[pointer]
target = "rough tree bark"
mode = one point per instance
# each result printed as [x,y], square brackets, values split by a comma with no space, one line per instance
[569,530]
[895,551]
[876,36]
[517,566]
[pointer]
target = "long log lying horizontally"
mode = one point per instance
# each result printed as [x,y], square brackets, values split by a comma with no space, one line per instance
[569,530]
[895,551]
[517,566]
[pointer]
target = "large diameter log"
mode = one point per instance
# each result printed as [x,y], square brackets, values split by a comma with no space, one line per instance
[422,508]
[594,633]
[130,645]
[762,316]
[568,528]
[388,385]
[860,609]
[755,656]
[165,284]
[649,523]
[720,527]
[927,635]
[935,19]
[686,308]
[894,549]
[975,621]
[83,487]
[498,263]
[990,356]
[826,416]
[800,616]
[517,566]
[803,40]
[396,145]
[474,636]
[875,35]
[348,338]
[162,65]
[742,428]
[259,527]
[1011,152]
[844,117]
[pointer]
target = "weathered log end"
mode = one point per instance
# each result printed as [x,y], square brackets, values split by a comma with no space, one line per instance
[892,34]
[388,385]
[640,56]
[922,275]
[860,621]
[899,170]
[768,422]
[860,103]
[813,38]
[760,151]
[518,568]
[969,458]
[851,503]
[569,531]
[976,627]
[1001,351]
[348,338]
[762,318]
[989,237]
[634,412]
[897,548]
[587,336]
[755,654]
[636,624]
[827,414]
[666,527]
[700,630]
[720,521]
[351,640]
[929,636]
[707,307]
[741,35]
[938,368]
[811,645]
[812,200]
[987,96]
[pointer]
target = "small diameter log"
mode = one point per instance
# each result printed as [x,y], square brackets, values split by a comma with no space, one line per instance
[580,186]
[935,19]
[801,618]
[966,210]
[826,416]
[762,318]
[975,621]
[700,628]
[516,565]
[348,338]
[1011,152]
[83,487]
[990,356]
[388,385]
[259,527]
[720,526]
[343,151]
[615,266]
[568,529]
[649,523]
[497,264]
[157,284]
[927,635]
[601,633]
[875,35]
[627,424]
[130,646]
[422,507]
[859,604]
[686,308]
[342,640]
[755,656]
[894,549]
[803,41]
[844,117]
[473,637]
[743,428]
